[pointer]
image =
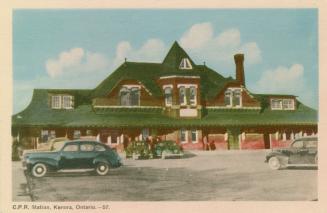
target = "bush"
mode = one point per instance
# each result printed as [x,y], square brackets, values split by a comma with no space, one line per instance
[168,146]
[140,148]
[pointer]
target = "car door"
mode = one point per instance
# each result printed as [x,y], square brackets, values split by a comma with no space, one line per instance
[87,155]
[298,153]
[69,156]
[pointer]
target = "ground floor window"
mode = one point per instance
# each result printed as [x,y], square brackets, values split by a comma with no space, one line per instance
[77,134]
[145,134]
[44,135]
[194,136]
[183,136]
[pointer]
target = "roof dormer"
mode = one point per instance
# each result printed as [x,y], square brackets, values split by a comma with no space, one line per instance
[185,64]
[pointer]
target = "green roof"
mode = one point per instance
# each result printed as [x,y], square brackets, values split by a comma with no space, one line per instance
[38,113]
[149,73]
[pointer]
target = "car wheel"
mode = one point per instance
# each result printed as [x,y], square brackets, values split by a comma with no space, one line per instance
[102,169]
[39,170]
[274,163]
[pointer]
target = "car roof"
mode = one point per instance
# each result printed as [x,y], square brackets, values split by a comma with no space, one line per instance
[83,141]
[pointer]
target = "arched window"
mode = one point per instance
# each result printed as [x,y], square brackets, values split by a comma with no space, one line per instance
[168,96]
[129,96]
[192,95]
[134,96]
[182,96]
[124,97]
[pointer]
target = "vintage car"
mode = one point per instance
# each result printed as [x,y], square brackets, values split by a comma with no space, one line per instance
[165,149]
[77,154]
[301,152]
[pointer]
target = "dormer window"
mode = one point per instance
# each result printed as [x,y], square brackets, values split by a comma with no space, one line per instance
[282,104]
[129,96]
[185,64]
[62,102]
[233,97]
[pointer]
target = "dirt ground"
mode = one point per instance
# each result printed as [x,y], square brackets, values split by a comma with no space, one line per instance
[200,176]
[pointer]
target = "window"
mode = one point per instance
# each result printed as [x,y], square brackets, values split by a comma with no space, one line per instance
[44,135]
[67,102]
[288,104]
[233,97]
[168,96]
[71,148]
[185,64]
[297,144]
[56,102]
[130,96]
[52,134]
[237,97]
[228,98]
[77,134]
[87,147]
[282,104]
[182,96]
[192,95]
[183,136]
[145,134]
[99,148]
[62,102]
[194,136]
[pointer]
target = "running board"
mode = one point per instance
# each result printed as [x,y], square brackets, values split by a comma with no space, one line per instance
[75,170]
[303,165]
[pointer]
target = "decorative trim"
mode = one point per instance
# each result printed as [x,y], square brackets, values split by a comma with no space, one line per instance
[187,85]
[177,76]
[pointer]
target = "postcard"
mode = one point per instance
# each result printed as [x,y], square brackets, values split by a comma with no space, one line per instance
[129,108]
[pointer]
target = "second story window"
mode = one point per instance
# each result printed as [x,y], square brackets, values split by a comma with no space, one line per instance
[168,96]
[182,96]
[282,104]
[56,101]
[233,97]
[62,102]
[192,95]
[129,96]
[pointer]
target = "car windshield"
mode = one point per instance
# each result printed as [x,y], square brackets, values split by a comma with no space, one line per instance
[57,146]
[297,144]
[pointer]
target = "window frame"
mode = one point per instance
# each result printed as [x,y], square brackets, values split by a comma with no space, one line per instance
[70,101]
[180,89]
[282,104]
[168,96]
[185,64]
[63,149]
[53,102]
[194,99]
[196,136]
[185,133]
[128,92]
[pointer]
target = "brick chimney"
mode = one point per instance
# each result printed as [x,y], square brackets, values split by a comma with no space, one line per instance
[239,59]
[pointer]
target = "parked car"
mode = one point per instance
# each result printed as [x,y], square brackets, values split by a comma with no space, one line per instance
[166,149]
[78,154]
[52,144]
[301,152]
[138,149]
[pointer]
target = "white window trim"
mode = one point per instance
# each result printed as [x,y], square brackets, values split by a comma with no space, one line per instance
[183,64]
[52,102]
[70,102]
[184,99]
[195,98]
[281,105]
[187,85]
[186,136]
[196,136]
[171,87]
[232,89]
[179,76]
[129,87]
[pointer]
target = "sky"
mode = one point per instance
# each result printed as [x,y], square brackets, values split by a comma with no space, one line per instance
[77,49]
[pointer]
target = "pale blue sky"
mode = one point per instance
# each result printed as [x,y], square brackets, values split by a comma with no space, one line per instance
[280,46]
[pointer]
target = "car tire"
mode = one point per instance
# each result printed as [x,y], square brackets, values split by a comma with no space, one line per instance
[102,169]
[39,170]
[274,163]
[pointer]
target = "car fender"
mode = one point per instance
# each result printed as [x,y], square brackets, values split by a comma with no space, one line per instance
[50,162]
[283,158]
[101,160]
